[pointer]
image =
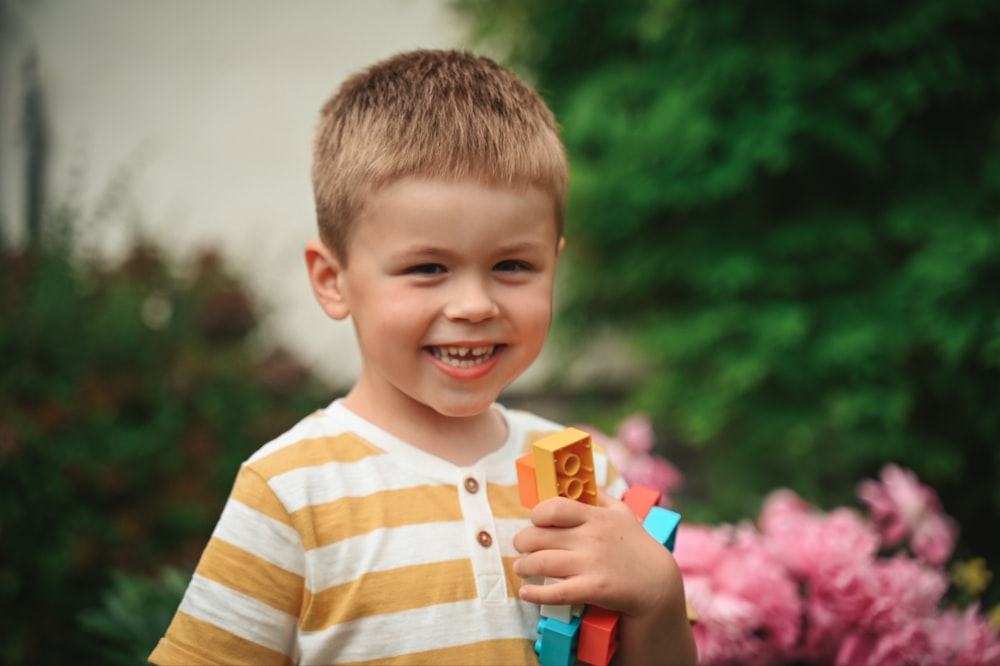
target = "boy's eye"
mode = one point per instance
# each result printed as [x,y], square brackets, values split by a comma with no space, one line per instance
[426,269]
[511,265]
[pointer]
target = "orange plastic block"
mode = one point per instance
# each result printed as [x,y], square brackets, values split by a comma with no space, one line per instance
[641,499]
[598,636]
[564,466]
[526,484]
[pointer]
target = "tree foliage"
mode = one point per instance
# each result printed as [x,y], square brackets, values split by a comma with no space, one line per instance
[793,208]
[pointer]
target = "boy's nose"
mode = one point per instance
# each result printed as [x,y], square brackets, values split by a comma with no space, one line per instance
[471,301]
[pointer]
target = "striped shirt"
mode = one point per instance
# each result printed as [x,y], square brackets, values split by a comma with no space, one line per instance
[343,544]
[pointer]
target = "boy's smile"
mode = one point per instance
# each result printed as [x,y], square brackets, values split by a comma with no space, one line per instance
[449,285]
[462,358]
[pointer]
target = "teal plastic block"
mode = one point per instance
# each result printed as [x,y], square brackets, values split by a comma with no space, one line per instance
[662,525]
[557,645]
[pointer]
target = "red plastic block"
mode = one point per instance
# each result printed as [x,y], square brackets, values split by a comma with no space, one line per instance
[564,466]
[598,636]
[641,499]
[526,484]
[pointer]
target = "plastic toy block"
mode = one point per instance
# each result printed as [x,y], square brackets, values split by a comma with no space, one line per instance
[564,466]
[598,636]
[526,484]
[662,525]
[563,612]
[641,499]
[557,645]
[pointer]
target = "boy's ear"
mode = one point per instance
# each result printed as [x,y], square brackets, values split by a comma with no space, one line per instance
[560,246]
[326,276]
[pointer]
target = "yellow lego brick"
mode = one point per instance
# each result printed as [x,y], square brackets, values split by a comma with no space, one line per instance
[564,466]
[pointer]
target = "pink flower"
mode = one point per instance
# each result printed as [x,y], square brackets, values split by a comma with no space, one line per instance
[748,606]
[831,556]
[909,644]
[903,507]
[636,434]
[908,590]
[811,543]
[964,638]
[783,510]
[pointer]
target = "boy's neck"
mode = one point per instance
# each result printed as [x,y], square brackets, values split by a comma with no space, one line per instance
[462,441]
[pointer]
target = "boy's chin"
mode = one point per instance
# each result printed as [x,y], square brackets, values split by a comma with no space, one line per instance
[458,409]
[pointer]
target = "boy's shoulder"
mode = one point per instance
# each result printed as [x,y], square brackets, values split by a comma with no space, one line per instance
[317,431]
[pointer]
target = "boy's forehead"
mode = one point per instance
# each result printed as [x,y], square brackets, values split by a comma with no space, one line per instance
[415,201]
[422,192]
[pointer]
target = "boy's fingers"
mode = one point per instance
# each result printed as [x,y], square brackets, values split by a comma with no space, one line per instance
[559,512]
[606,501]
[534,539]
[551,563]
[554,593]
[527,540]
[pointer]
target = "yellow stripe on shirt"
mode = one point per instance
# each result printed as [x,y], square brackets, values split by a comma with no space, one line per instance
[389,591]
[251,489]
[248,574]
[501,652]
[239,651]
[343,448]
[325,524]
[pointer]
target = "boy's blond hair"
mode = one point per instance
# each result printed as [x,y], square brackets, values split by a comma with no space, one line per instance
[436,114]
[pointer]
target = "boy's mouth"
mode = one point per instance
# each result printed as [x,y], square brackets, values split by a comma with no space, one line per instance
[463,357]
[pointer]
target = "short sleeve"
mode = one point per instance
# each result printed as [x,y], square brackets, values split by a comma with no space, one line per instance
[245,597]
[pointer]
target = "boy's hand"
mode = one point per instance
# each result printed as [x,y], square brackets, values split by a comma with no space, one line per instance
[607,558]
[604,555]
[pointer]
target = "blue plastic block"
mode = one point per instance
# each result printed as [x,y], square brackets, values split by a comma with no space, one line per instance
[557,645]
[662,525]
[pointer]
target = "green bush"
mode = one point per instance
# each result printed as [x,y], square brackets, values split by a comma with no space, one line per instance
[129,395]
[792,208]
[133,615]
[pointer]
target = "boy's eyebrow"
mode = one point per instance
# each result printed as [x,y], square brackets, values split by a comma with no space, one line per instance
[513,247]
[521,246]
[425,251]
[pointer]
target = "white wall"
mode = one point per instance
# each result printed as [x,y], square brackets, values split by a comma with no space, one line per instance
[214,103]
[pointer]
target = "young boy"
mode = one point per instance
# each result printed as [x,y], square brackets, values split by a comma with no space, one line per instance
[387,528]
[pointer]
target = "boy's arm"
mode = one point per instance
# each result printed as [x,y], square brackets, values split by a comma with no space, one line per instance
[605,557]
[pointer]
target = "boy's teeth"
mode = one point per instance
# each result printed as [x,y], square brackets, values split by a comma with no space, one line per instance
[464,357]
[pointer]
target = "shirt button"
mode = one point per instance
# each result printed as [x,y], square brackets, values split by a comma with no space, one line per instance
[471,485]
[485,540]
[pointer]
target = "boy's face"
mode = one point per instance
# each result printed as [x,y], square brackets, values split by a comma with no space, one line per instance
[450,289]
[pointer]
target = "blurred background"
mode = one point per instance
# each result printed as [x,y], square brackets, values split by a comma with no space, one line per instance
[784,249]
